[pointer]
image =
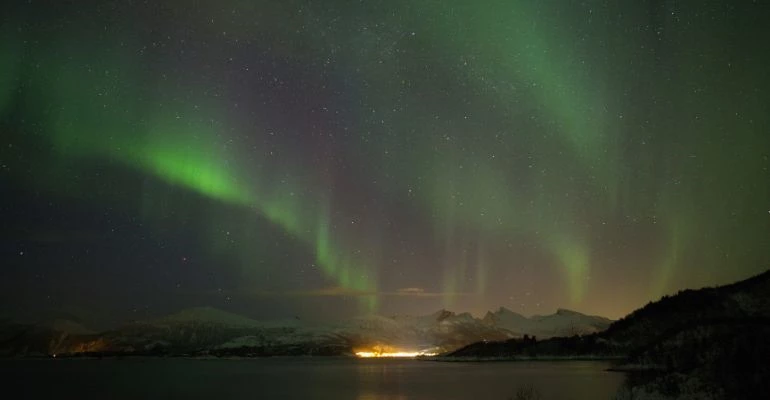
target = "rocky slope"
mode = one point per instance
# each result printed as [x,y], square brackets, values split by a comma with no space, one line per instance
[710,343]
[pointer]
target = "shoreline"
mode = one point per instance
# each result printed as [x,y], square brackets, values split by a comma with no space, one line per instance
[519,359]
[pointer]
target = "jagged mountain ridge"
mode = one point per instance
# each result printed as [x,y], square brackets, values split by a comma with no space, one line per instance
[563,323]
[706,343]
[739,303]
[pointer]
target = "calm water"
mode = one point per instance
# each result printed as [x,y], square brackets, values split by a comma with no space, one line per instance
[302,378]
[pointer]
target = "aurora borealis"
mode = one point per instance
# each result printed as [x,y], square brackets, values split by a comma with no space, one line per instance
[332,158]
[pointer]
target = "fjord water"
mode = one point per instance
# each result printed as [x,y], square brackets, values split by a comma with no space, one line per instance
[307,378]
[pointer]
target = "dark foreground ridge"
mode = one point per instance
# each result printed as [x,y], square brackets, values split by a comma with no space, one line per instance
[706,343]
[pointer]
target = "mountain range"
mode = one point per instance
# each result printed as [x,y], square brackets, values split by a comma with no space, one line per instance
[209,331]
[710,343]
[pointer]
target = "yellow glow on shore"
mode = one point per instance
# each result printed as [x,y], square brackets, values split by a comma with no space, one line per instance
[397,354]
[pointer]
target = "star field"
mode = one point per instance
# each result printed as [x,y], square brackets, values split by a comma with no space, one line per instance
[331,158]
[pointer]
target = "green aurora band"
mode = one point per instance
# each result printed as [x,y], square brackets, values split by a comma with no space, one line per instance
[502,123]
[93,122]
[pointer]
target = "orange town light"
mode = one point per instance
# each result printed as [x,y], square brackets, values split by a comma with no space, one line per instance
[396,354]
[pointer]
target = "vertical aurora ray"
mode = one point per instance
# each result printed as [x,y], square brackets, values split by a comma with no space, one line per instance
[505,55]
[575,260]
[481,272]
[670,259]
[351,272]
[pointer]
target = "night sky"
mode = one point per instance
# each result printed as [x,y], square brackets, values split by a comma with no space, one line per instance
[323,159]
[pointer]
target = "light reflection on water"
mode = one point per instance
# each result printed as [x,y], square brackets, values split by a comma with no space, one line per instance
[308,378]
[391,379]
[374,396]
